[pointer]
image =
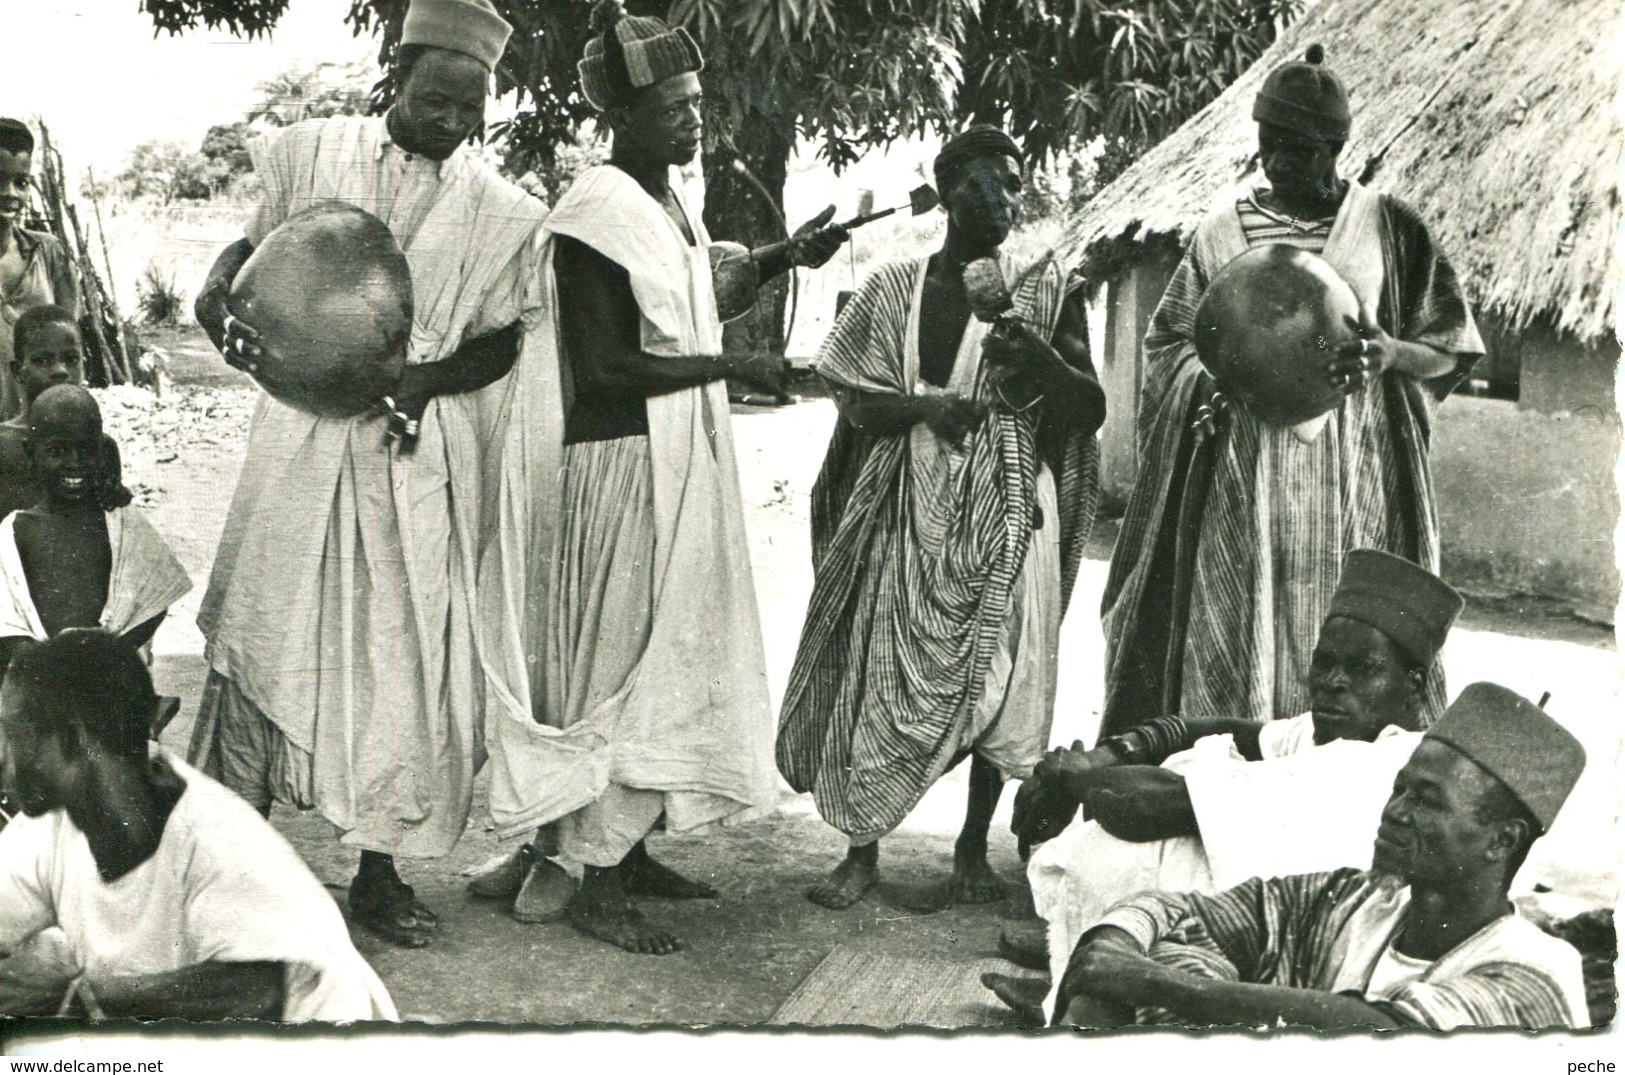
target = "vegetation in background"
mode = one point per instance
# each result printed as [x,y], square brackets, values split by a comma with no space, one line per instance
[158,299]
[850,75]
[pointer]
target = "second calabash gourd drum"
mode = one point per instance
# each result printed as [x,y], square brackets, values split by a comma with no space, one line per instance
[1268,325]
[330,294]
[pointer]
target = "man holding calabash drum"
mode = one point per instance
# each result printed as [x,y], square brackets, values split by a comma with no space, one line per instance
[343,672]
[1229,552]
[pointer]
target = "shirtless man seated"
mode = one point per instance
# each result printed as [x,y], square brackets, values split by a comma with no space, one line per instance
[46,351]
[66,560]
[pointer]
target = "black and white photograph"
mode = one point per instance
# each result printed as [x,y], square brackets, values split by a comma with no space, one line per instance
[530,529]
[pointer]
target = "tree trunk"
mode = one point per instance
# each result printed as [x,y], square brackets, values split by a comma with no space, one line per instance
[737,211]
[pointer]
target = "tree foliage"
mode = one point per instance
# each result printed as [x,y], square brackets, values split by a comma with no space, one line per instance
[851,74]
[312,92]
[165,171]
[1057,71]
[848,75]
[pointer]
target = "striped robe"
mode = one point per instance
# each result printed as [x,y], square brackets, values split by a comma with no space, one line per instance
[1280,514]
[1327,931]
[919,579]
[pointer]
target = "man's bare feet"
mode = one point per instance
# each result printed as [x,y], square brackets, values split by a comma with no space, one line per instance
[847,883]
[600,908]
[643,876]
[973,880]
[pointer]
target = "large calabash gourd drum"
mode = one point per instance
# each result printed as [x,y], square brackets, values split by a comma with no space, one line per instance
[330,294]
[1268,325]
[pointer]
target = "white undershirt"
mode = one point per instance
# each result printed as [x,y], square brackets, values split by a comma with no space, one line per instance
[1394,969]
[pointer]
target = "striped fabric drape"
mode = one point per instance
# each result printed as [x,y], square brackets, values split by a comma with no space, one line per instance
[908,607]
[1326,931]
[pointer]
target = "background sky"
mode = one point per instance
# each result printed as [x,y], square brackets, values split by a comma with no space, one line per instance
[95,73]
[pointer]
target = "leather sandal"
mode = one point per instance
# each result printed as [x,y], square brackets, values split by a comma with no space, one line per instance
[504,880]
[545,894]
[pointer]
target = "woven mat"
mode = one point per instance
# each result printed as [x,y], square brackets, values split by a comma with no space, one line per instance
[857,987]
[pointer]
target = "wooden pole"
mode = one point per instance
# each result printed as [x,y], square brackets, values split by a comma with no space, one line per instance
[115,367]
[107,266]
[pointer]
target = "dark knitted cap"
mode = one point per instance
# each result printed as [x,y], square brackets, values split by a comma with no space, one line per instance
[629,52]
[982,140]
[1305,97]
[1410,604]
[1514,741]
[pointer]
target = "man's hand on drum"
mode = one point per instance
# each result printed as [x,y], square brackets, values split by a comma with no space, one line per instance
[242,347]
[404,408]
[1361,361]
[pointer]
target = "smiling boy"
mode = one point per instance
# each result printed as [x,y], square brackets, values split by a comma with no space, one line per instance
[66,560]
[47,351]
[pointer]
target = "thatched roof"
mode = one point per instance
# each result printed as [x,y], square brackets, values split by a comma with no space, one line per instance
[1495,120]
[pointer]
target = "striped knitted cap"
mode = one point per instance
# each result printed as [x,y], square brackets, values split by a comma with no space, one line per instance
[471,27]
[1305,97]
[627,53]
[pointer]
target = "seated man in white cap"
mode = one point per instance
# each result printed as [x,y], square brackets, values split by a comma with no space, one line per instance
[343,670]
[1425,937]
[172,898]
[1248,799]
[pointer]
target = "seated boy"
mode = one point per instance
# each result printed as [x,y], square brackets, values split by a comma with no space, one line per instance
[68,561]
[46,351]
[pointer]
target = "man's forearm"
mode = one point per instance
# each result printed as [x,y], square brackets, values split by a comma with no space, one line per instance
[1078,397]
[772,260]
[210,305]
[882,415]
[213,990]
[477,363]
[1137,803]
[654,375]
[1205,1002]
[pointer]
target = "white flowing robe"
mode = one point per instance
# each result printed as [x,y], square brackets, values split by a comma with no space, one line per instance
[693,720]
[342,601]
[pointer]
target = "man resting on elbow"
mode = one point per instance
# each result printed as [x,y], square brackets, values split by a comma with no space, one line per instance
[173,897]
[1425,937]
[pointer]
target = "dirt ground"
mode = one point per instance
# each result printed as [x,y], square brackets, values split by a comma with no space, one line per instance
[750,948]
